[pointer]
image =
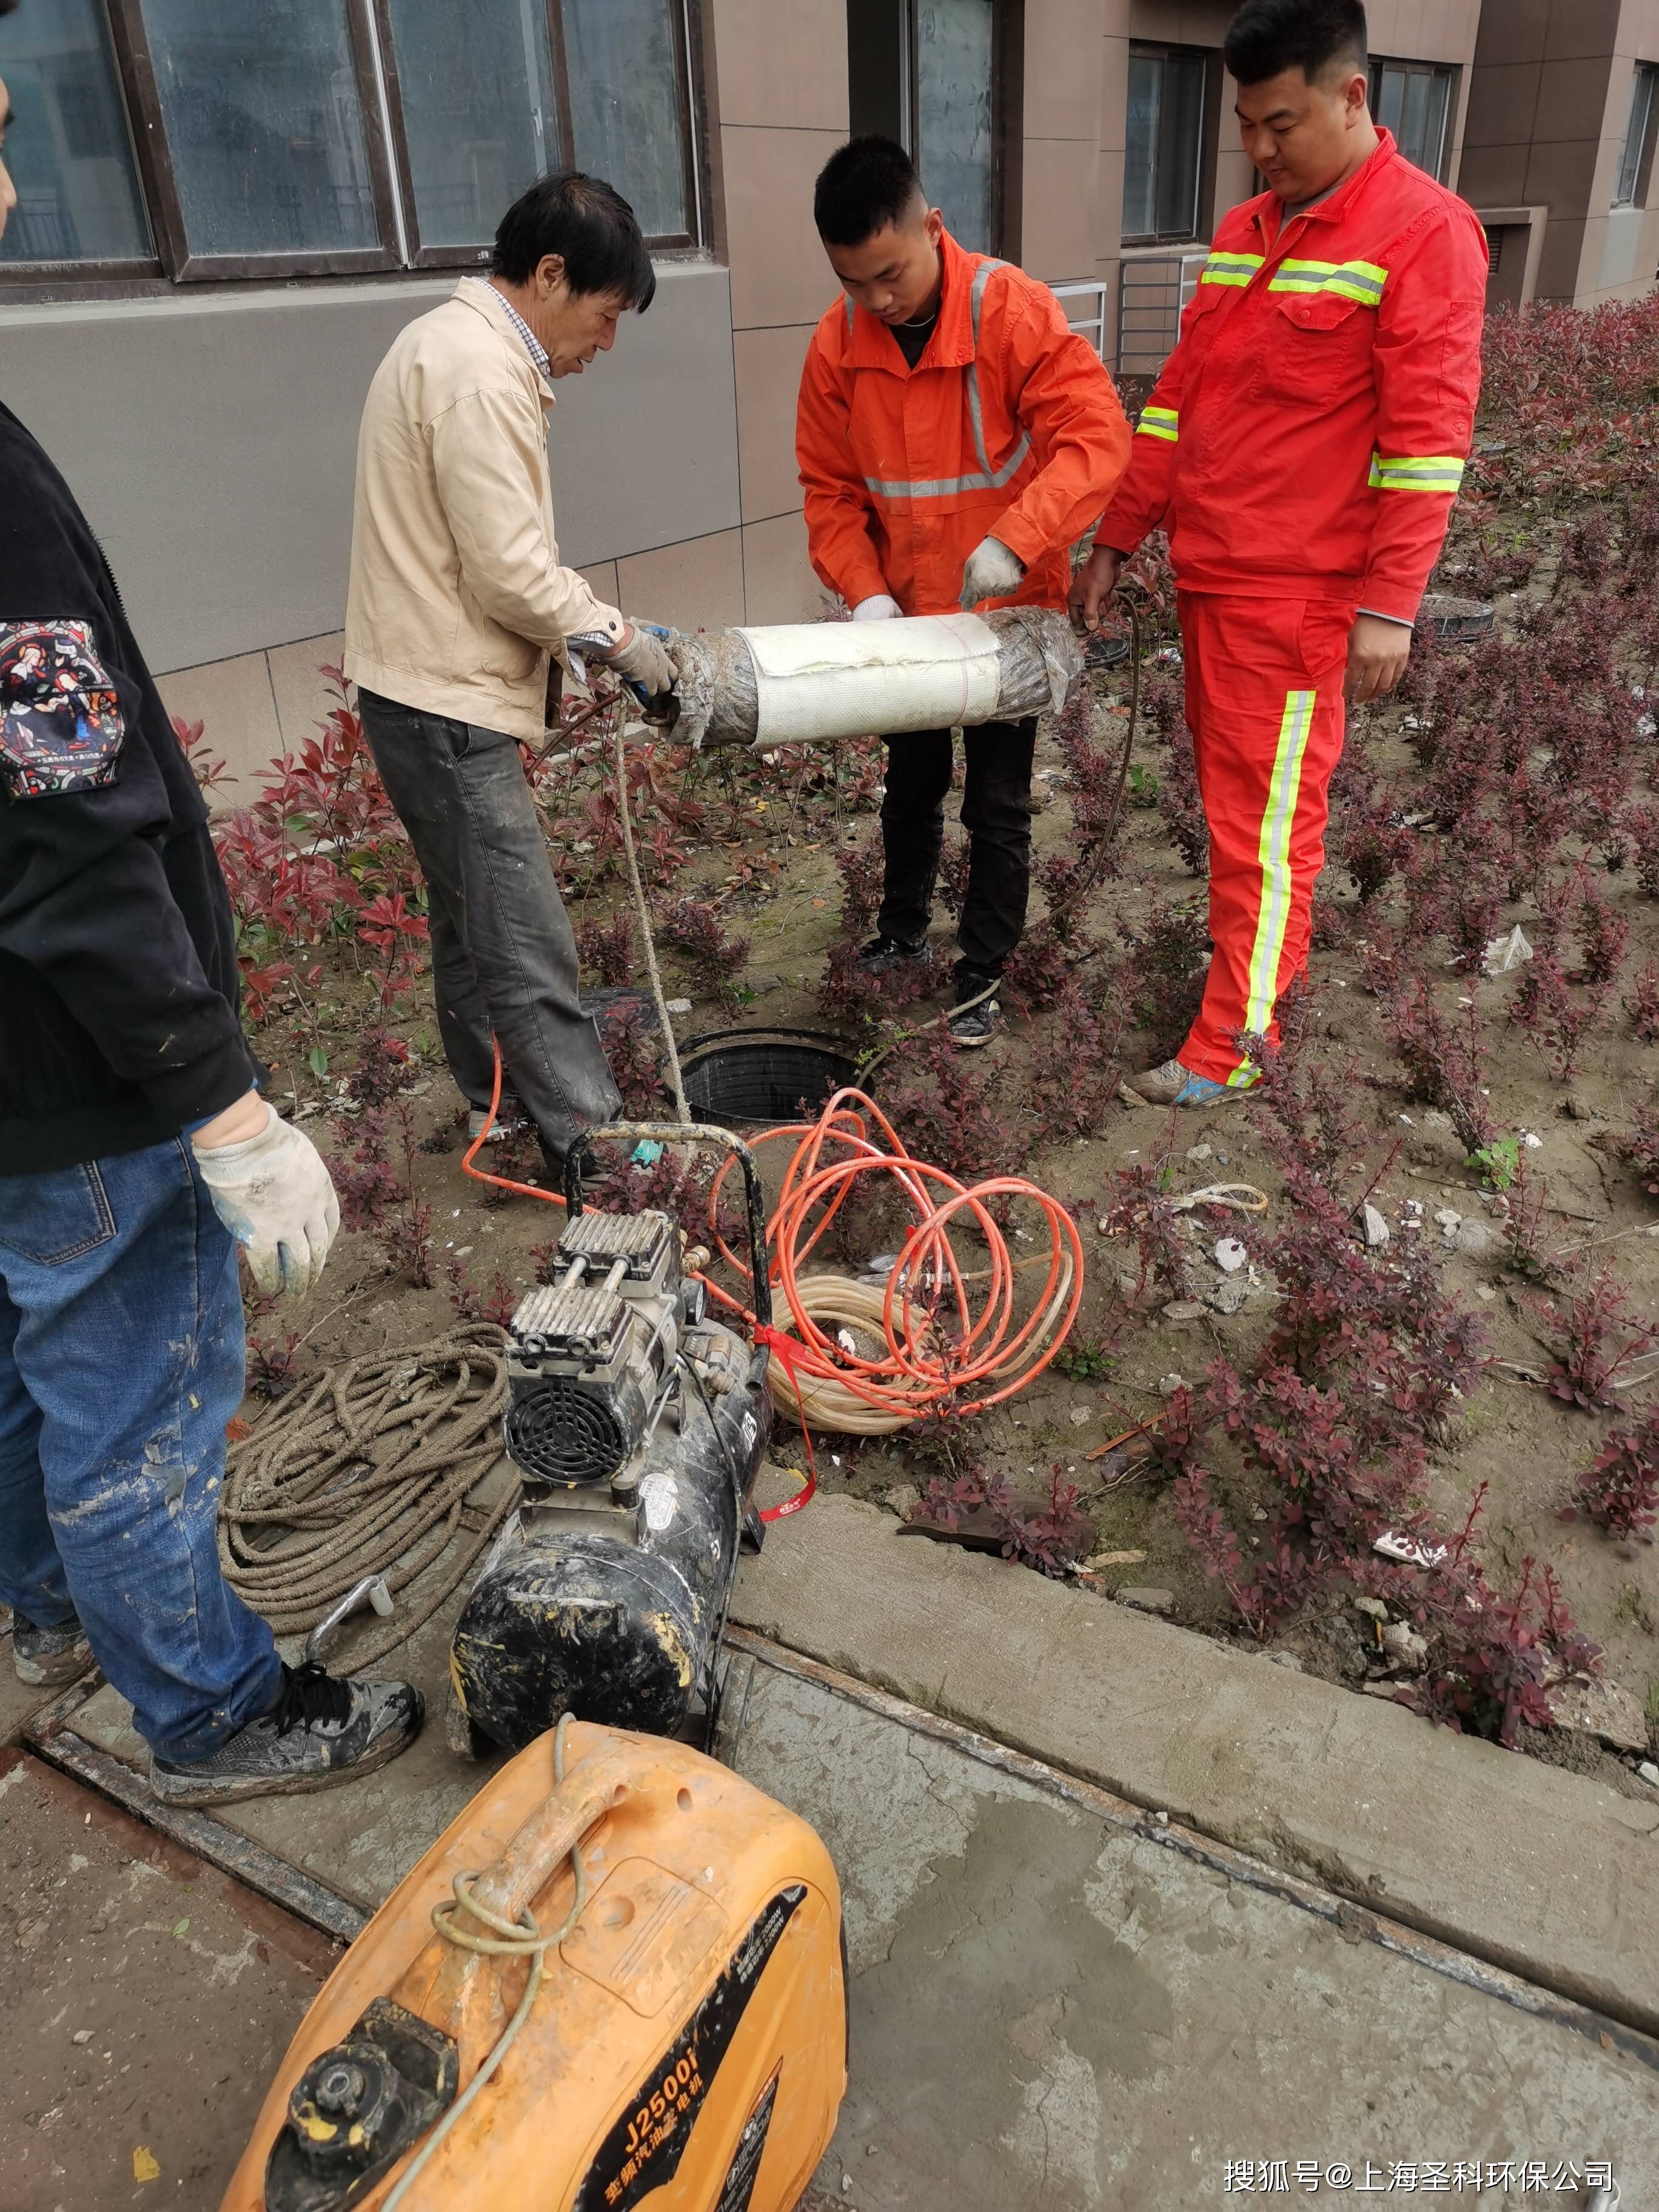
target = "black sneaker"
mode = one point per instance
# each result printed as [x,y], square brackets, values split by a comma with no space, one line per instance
[977,1026]
[44,1657]
[882,954]
[320,1731]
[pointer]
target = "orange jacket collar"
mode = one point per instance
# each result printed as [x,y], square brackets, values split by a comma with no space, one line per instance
[872,345]
[1334,209]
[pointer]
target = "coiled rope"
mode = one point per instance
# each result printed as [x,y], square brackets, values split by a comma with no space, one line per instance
[367,1470]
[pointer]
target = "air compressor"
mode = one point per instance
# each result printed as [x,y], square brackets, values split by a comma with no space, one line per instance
[617,1980]
[637,1424]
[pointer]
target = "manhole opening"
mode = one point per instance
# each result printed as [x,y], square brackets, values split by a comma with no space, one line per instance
[762,1075]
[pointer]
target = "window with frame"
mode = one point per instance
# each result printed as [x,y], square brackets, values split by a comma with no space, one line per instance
[1414,100]
[1636,156]
[1163,145]
[929,73]
[197,138]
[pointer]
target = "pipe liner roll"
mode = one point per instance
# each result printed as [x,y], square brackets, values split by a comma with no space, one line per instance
[820,683]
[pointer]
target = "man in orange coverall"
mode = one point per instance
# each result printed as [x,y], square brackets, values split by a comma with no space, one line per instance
[1304,448]
[955,439]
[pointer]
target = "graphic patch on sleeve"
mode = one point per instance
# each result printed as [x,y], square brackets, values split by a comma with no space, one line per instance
[60,716]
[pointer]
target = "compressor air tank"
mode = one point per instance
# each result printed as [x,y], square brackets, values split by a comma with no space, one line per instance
[638,1426]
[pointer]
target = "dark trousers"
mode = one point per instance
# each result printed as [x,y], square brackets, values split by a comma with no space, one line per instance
[503,958]
[996,812]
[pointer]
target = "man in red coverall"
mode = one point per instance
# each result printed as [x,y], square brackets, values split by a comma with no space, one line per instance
[1304,448]
[955,439]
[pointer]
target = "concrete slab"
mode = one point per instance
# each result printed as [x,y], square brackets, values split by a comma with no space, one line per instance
[362,1838]
[1053,2012]
[1547,1873]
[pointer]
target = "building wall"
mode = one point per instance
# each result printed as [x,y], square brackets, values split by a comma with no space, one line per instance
[211,433]
[777,91]
[212,437]
[1549,106]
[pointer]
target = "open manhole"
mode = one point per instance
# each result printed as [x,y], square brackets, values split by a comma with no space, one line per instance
[1103,649]
[1455,620]
[762,1075]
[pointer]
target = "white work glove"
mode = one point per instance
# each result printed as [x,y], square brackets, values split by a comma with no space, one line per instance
[878,608]
[643,660]
[992,572]
[273,1193]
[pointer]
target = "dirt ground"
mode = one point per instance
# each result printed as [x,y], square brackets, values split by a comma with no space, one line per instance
[1515,1437]
[147,2000]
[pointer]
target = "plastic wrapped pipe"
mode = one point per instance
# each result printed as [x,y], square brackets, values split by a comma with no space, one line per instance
[817,683]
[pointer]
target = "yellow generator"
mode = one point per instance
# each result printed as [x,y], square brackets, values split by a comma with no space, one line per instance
[618,1980]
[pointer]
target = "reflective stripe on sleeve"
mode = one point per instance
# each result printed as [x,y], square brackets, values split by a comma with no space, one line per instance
[986,478]
[1160,422]
[1348,280]
[1273,916]
[1231,268]
[1441,472]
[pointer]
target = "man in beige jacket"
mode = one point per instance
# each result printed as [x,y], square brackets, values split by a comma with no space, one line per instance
[457,601]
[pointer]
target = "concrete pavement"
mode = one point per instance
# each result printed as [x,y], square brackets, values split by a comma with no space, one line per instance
[1547,1873]
[1056,2006]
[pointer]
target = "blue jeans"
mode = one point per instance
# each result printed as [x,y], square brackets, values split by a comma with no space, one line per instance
[121,1360]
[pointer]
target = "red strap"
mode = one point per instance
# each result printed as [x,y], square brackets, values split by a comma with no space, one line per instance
[786,1348]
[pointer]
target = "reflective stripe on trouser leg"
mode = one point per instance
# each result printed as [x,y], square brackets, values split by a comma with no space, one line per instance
[1274,913]
[1249,660]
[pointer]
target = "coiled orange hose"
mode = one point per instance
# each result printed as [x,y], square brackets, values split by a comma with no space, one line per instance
[944,1335]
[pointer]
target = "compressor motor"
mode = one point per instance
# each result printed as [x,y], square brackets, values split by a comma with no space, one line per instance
[638,1425]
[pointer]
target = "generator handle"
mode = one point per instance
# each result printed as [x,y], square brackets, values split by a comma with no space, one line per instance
[687,1132]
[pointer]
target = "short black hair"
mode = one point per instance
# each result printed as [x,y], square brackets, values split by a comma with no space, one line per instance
[589,224]
[866,184]
[1268,37]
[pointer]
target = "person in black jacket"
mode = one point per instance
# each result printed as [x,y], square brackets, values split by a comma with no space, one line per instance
[137,1155]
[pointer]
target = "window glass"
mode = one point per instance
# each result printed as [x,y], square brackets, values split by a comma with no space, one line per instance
[1643,95]
[1140,159]
[1164,145]
[260,101]
[68,150]
[476,78]
[954,59]
[1413,101]
[625,104]
[1388,98]
[1180,146]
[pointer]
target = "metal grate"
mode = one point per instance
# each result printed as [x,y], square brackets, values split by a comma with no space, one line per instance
[556,1432]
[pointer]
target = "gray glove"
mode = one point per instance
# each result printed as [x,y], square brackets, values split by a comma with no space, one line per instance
[273,1193]
[644,659]
[992,572]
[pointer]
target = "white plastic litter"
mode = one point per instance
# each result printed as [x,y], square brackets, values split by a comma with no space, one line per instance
[1230,1255]
[1408,1550]
[1503,953]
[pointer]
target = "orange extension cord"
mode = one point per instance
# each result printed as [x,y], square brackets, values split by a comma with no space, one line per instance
[920,1370]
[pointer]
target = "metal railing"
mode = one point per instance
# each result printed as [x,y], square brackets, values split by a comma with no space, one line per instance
[1091,324]
[1151,292]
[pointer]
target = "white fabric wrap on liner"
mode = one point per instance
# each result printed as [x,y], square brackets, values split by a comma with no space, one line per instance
[826,680]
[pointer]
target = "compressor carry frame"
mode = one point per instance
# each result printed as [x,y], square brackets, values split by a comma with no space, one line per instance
[638,1425]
